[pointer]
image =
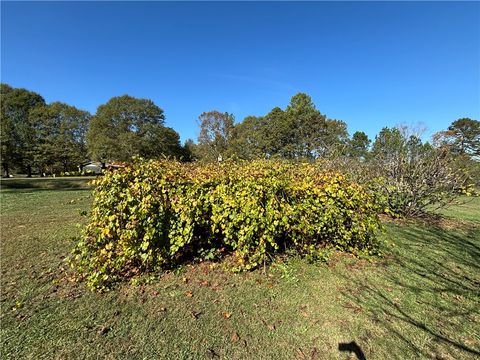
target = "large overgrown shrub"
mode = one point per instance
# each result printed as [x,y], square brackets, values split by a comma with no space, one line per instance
[152,214]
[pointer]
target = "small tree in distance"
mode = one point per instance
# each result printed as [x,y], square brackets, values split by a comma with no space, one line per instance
[358,145]
[216,130]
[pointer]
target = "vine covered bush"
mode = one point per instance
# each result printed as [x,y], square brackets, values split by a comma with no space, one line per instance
[153,214]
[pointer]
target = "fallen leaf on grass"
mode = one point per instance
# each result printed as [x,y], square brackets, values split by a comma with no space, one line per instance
[301,354]
[103,330]
[21,317]
[195,314]
[227,315]
[189,294]
[356,309]
[441,357]
[269,326]
[211,354]
[235,337]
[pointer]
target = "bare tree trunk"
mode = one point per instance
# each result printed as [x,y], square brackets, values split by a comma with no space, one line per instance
[29,171]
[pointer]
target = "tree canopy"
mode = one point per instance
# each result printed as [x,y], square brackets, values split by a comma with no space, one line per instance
[126,126]
[16,129]
[59,135]
[359,145]
[462,137]
[216,130]
[299,131]
[56,137]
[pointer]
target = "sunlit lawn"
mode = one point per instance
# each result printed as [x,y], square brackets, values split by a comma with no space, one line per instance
[421,300]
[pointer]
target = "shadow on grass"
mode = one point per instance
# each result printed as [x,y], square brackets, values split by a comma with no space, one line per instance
[352,347]
[44,184]
[431,288]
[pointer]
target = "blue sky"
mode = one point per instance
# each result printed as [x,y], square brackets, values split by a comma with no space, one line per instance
[371,64]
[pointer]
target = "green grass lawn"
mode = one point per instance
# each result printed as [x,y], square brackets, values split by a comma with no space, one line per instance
[421,300]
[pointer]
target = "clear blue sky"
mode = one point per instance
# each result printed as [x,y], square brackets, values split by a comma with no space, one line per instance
[371,64]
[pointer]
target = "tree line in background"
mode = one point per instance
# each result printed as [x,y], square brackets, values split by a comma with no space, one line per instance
[37,137]
[42,138]
[302,132]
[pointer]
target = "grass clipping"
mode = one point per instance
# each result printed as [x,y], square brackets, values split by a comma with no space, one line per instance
[153,215]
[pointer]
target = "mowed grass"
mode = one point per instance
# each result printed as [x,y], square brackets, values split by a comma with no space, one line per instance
[45,183]
[421,300]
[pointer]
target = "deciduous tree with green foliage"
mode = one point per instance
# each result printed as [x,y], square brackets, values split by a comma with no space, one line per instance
[126,126]
[17,132]
[250,138]
[275,133]
[60,137]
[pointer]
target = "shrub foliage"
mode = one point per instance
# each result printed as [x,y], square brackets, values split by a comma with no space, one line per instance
[154,214]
